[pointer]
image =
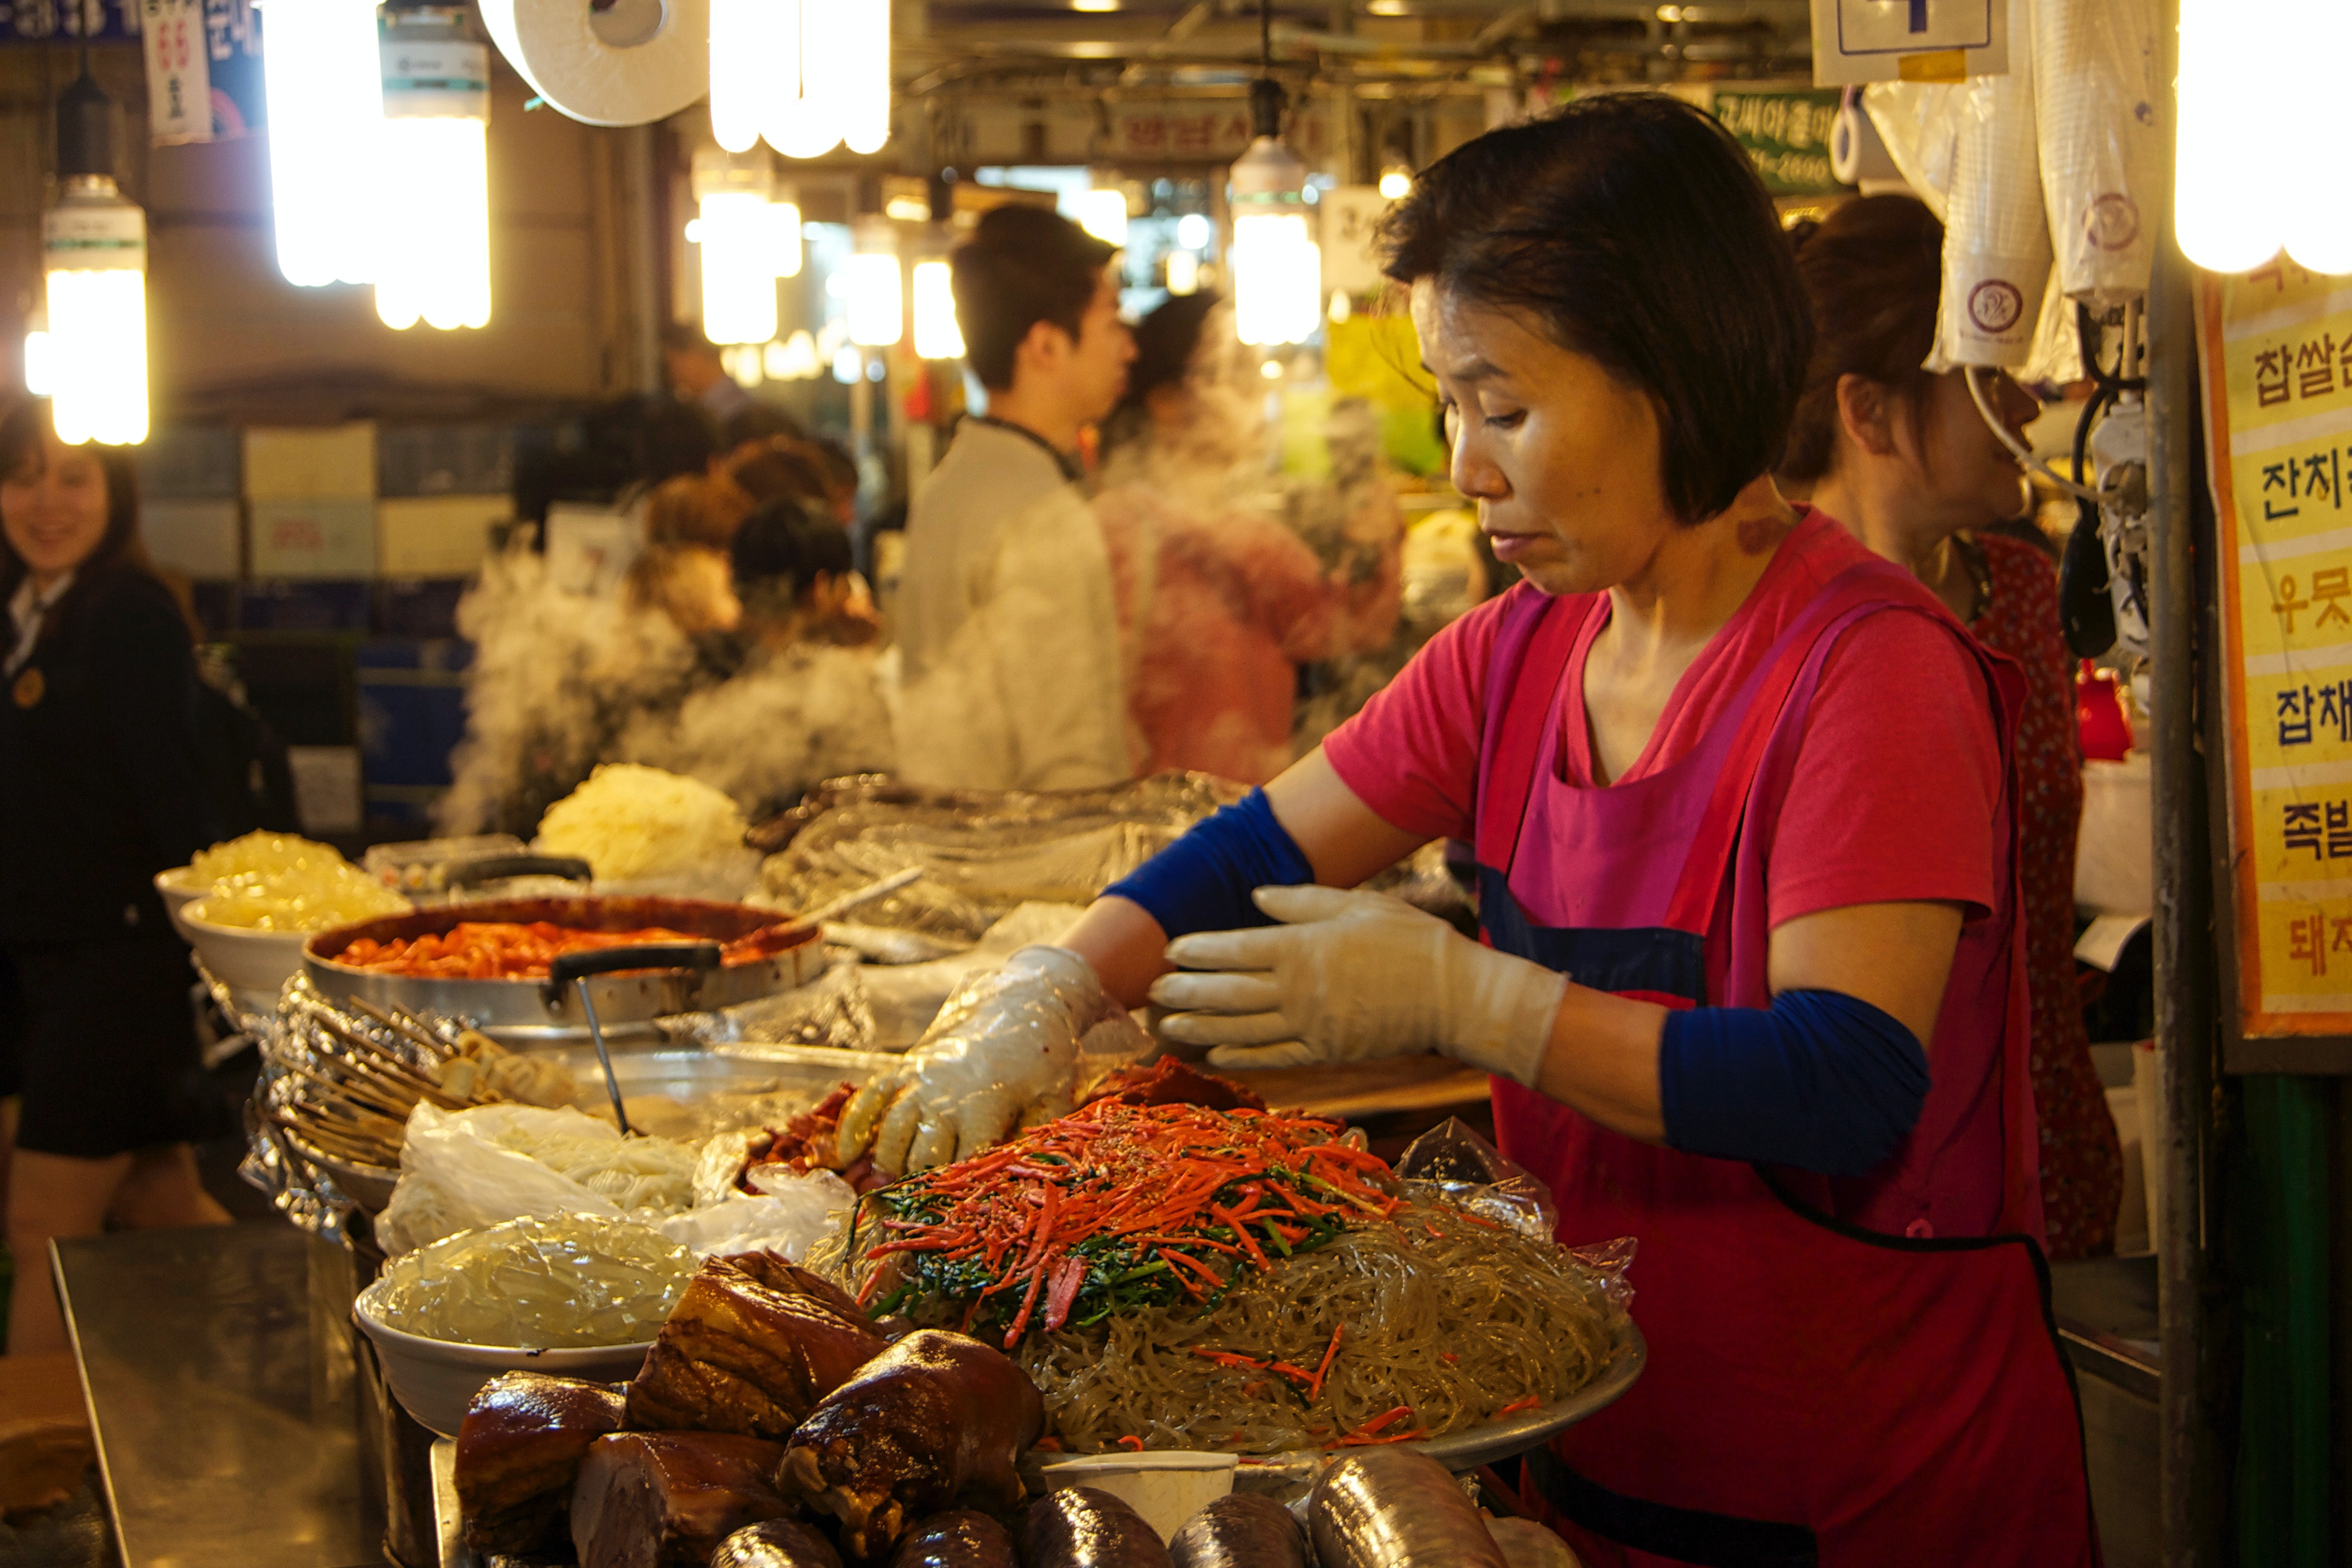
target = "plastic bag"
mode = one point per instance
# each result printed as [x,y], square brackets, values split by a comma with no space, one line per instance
[789,1214]
[1464,1168]
[455,1175]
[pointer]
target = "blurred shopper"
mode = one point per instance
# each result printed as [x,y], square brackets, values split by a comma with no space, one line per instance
[793,578]
[1903,459]
[691,363]
[1221,600]
[1006,623]
[100,787]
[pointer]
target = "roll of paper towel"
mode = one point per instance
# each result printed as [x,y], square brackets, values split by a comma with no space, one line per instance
[2096,77]
[638,61]
[1996,239]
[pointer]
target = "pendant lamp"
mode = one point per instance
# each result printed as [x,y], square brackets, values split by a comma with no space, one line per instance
[94,261]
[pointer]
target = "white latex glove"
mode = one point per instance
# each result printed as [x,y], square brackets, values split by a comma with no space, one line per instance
[1351,976]
[1003,1049]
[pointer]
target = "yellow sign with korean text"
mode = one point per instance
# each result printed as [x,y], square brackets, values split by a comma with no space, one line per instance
[2278,388]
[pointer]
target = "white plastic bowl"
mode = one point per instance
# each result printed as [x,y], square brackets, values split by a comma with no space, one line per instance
[179,888]
[241,958]
[436,1380]
[1166,1488]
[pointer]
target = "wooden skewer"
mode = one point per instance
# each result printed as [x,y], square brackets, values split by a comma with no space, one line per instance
[406,1023]
[391,1061]
[352,1095]
[337,1144]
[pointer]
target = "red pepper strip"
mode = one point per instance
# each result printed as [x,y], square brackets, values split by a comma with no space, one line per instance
[1211,1275]
[1292,1234]
[1405,1436]
[1249,1242]
[1132,1444]
[1021,1319]
[1480,1220]
[1051,1445]
[1226,1358]
[1524,1402]
[1066,1280]
[1432,1230]
[1308,1206]
[1315,1391]
[1449,1358]
[1249,1389]
[1371,1429]
[1298,1375]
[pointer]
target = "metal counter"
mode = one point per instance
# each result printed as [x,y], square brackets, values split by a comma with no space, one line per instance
[226,1407]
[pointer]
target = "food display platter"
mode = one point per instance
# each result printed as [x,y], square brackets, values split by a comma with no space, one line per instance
[527,1013]
[1500,1439]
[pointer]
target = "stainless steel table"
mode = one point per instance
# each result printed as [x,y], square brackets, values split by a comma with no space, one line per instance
[226,1404]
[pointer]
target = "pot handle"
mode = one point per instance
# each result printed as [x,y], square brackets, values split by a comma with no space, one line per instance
[699,956]
[497,867]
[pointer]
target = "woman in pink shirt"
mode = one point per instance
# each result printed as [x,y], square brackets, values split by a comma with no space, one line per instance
[1751,989]
[1220,600]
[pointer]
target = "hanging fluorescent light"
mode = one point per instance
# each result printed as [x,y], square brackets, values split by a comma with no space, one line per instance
[2245,87]
[94,259]
[1192,231]
[865,74]
[743,41]
[1396,180]
[39,378]
[937,334]
[1277,268]
[322,75]
[1102,212]
[433,176]
[872,285]
[748,242]
[784,237]
[1183,272]
[795,358]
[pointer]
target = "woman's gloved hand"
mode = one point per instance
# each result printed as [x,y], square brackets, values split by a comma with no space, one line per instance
[1351,977]
[1003,1051]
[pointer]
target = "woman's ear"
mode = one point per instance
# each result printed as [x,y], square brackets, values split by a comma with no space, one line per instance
[1865,413]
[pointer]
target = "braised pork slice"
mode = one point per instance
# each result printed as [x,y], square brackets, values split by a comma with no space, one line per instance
[518,1451]
[651,1500]
[749,1352]
[935,1420]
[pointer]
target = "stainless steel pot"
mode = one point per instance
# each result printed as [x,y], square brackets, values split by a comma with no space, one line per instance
[526,1013]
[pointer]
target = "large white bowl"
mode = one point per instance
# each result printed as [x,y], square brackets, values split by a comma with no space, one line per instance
[436,1380]
[179,888]
[244,959]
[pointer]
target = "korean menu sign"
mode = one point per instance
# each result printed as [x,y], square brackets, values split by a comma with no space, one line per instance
[2278,389]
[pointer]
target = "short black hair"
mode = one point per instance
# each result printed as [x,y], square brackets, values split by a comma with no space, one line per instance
[1632,229]
[778,551]
[1023,264]
[1165,342]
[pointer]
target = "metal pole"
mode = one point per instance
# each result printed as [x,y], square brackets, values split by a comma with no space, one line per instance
[2186,952]
[644,222]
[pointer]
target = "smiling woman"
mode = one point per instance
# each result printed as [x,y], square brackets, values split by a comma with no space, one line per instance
[99,789]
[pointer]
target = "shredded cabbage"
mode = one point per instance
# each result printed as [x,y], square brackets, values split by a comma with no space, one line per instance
[630,822]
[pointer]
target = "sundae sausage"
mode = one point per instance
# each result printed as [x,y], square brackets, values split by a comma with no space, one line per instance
[960,1538]
[520,1446]
[934,1420]
[1078,1527]
[1391,1508]
[777,1543]
[1241,1530]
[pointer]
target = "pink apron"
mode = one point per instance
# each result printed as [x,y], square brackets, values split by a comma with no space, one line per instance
[1817,1392]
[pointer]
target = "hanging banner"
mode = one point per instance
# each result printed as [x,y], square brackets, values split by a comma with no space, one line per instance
[1909,41]
[204,70]
[1786,134]
[2278,390]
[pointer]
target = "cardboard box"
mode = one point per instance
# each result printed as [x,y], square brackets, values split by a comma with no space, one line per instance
[332,462]
[188,462]
[437,536]
[313,539]
[202,538]
[444,459]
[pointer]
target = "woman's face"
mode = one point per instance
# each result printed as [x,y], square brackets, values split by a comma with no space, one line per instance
[1561,456]
[1968,474]
[53,509]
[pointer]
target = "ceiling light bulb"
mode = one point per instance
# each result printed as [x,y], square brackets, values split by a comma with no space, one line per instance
[432,182]
[322,79]
[936,334]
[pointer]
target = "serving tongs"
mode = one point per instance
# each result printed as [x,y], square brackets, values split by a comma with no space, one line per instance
[573,969]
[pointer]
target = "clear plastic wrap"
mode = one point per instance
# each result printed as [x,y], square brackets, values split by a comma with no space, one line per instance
[983,852]
[1456,1163]
[467,1169]
[1919,123]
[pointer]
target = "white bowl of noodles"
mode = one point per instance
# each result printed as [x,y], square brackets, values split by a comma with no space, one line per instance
[436,1380]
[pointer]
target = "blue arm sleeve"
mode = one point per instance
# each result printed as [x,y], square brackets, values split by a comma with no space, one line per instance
[1202,882]
[1818,1080]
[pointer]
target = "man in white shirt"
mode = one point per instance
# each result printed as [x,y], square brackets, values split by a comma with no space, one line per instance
[1007,629]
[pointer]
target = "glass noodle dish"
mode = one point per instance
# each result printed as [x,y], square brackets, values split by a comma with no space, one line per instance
[1173,1277]
[573,1280]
